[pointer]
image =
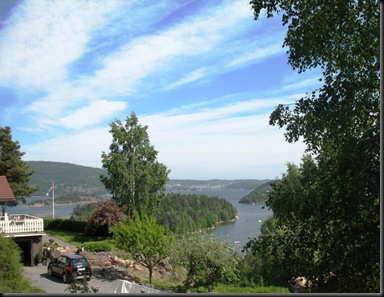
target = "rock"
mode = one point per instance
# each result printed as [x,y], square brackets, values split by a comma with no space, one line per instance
[164,265]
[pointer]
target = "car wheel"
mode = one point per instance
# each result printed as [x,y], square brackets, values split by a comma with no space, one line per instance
[65,277]
[49,271]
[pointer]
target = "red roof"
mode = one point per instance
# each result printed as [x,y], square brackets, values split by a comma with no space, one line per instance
[6,193]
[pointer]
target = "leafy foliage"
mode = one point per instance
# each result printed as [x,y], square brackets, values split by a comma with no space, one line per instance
[330,206]
[13,167]
[144,239]
[80,286]
[106,214]
[12,278]
[208,261]
[182,213]
[135,178]
[306,237]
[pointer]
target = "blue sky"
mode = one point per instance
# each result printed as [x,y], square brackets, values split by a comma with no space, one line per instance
[204,76]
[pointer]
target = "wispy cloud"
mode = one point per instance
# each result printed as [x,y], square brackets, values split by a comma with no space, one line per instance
[72,67]
[92,114]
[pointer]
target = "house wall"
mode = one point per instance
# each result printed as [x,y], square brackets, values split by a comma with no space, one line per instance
[30,245]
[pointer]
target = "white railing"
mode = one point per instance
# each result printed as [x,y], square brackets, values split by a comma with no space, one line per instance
[21,223]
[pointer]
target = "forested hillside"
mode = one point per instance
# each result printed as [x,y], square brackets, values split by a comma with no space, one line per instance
[180,213]
[258,195]
[69,178]
[73,179]
[183,213]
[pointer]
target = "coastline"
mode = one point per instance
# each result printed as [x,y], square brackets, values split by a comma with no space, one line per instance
[58,204]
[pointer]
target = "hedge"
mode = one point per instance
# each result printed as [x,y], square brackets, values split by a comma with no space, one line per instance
[64,224]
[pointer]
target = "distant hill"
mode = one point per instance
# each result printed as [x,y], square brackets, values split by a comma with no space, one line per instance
[177,185]
[258,195]
[71,179]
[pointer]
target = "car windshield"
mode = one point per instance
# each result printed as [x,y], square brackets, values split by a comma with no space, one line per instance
[81,261]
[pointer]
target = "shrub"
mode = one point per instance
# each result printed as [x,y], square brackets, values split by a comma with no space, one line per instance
[97,246]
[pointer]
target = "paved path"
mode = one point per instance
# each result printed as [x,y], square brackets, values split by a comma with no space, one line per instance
[54,284]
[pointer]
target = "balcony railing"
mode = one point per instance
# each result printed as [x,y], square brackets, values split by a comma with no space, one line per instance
[21,223]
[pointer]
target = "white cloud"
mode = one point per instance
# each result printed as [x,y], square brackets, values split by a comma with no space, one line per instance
[202,143]
[210,144]
[172,48]
[44,54]
[92,114]
[43,37]
[257,54]
[305,83]
[190,77]
[83,148]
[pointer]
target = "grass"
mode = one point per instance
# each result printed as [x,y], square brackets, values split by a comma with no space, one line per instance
[73,238]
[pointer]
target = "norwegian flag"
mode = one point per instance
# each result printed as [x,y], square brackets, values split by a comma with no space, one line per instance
[50,189]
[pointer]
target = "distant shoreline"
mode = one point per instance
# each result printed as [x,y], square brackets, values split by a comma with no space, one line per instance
[57,204]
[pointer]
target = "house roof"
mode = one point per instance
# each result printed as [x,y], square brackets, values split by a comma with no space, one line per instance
[6,193]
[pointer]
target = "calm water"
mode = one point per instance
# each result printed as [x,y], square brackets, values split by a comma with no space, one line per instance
[248,225]
[250,216]
[61,211]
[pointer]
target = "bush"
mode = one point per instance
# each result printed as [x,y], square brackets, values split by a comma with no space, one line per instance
[97,246]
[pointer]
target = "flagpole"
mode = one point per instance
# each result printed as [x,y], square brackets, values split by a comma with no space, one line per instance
[53,200]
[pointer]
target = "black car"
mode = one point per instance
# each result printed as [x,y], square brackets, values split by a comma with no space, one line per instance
[70,267]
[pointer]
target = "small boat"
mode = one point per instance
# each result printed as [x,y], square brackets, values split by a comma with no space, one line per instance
[237,242]
[259,221]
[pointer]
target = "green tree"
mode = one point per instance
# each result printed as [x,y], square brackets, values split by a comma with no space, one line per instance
[305,237]
[135,178]
[339,123]
[12,278]
[208,260]
[144,239]
[13,167]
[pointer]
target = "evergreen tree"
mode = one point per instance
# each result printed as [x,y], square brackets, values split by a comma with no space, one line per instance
[13,167]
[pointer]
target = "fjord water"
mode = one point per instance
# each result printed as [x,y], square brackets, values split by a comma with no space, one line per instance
[247,226]
[250,217]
